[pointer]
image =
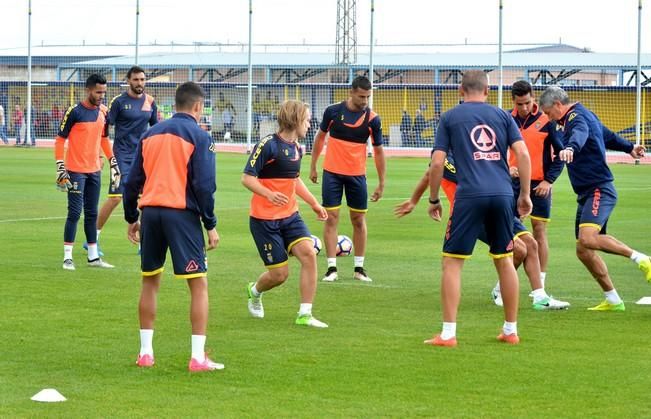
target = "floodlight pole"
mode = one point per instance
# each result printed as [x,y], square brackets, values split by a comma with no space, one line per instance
[370,53]
[249,106]
[638,83]
[369,146]
[28,114]
[135,61]
[499,60]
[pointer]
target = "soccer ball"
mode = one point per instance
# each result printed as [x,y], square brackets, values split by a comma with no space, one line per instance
[344,245]
[316,242]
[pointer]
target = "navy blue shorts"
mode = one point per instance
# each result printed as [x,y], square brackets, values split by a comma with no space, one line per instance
[518,227]
[275,238]
[470,216]
[542,206]
[179,231]
[334,186]
[125,166]
[594,208]
[518,230]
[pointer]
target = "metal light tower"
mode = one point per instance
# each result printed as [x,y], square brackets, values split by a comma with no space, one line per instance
[346,44]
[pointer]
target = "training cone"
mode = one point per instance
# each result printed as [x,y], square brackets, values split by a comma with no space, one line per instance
[48,395]
[645,301]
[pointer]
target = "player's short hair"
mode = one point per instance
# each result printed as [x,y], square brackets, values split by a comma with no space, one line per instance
[187,94]
[361,82]
[291,114]
[135,70]
[94,79]
[475,81]
[551,95]
[521,88]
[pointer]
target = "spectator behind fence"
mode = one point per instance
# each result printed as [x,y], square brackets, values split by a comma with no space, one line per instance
[17,120]
[420,125]
[405,129]
[3,125]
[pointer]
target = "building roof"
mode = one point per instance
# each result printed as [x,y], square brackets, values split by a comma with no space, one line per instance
[531,60]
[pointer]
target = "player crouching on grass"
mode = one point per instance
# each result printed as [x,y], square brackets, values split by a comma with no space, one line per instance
[272,174]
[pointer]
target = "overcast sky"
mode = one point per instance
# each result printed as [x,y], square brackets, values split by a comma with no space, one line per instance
[602,26]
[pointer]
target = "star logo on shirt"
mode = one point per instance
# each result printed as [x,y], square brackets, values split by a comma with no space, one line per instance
[483,137]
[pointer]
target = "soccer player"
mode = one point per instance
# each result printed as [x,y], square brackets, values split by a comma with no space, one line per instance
[79,173]
[585,140]
[478,135]
[539,136]
[131,112]
[525,248]
[272,174]
[174,167]
[349,123]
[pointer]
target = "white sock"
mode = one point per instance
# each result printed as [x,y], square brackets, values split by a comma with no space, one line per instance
[198,347]
[497,287]
[92,251]
[612,297]
[449,330]
[98,231]
[146,342]
[510,328]
[359,261]
[304,309]
[543,276]
[538,295]
[332,262]
[638,257]
[67,251]
[255,291]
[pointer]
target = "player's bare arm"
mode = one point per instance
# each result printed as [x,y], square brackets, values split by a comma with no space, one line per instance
[253,184]
[317,148]
[381,167]
[638,152]
[306,195]
[408,206]
[133,232]
[435,176]
[213,239]
[524,169]
[543,189]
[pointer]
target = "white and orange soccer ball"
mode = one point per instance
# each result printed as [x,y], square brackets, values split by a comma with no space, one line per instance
[344,245]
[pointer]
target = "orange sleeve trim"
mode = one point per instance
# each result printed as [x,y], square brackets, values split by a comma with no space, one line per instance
[59,147]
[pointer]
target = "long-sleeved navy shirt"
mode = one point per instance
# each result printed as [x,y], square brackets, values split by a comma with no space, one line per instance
[584,133]
[174,167]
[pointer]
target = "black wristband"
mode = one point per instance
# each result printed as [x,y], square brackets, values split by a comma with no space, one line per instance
[434,201]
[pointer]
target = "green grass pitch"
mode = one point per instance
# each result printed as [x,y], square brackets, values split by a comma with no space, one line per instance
[78,331]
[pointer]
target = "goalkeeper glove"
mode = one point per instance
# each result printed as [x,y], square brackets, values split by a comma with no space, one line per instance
[115,173]
[63,178]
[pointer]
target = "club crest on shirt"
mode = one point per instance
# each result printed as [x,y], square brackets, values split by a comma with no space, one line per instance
[571,117]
